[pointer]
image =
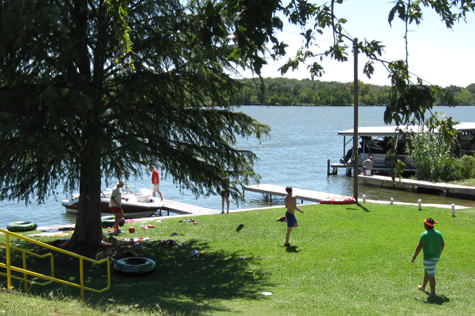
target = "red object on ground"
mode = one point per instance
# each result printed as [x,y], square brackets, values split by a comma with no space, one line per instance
[131,229]
[345,201]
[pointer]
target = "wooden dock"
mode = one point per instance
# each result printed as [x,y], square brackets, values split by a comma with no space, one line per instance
[332,168]
[308,195]
[184,208]
[415,185]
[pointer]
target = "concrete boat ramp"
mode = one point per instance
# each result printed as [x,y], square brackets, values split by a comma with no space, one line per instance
[308,195]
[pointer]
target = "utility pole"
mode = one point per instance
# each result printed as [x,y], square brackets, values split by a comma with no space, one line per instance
[355,121]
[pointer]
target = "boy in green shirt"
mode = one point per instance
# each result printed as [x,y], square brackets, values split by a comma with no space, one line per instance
[432,244]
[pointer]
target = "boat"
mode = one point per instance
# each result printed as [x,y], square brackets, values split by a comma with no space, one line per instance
[135,205]
[375,141]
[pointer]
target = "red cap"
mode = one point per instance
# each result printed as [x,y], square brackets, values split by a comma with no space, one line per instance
[428,223]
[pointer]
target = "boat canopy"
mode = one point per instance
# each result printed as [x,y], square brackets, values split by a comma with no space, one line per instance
[387,130]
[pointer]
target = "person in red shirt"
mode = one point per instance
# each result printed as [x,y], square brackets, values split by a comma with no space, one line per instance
[155,182]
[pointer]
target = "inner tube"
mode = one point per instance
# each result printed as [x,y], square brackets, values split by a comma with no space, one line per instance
[21,226]
[108,221]
[134,265]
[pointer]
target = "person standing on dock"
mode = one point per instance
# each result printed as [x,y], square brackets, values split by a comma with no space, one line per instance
[115,205]
[155,182]
[432,244]
[291,205]
[368,165]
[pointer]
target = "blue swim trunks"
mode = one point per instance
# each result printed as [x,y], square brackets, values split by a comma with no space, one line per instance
[291,219]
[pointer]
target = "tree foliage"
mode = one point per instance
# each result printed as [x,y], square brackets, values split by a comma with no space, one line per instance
[410,98]
[434,150]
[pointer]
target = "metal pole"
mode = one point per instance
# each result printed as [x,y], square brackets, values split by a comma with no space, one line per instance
[355,121]
[8,262]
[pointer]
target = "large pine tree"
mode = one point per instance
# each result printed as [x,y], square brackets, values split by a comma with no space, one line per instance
[101,88]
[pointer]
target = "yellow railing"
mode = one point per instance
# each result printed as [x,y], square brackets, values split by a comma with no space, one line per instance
[24,252]
[49,278]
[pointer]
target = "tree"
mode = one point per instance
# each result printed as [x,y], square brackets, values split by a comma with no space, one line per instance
[433,150]
[410,98]
[96,89]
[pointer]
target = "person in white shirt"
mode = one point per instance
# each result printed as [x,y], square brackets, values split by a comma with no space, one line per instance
[115,205]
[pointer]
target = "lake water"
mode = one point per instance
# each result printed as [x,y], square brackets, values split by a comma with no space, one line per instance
[296,153]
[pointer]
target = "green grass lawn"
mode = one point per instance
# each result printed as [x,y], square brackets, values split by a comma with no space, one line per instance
[468,182]
[345,260]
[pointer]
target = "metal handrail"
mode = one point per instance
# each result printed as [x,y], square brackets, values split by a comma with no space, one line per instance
[81,285]
[24,252]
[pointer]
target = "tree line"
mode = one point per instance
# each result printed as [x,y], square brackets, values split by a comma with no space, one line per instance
[283,91]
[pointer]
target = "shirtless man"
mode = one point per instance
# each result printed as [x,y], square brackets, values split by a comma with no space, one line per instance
[291,205]
[368,166]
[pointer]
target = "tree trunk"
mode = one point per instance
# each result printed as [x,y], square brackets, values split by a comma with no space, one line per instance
[88,230]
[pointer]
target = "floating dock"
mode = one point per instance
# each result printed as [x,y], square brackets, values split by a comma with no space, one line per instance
[416,185]
[308,195]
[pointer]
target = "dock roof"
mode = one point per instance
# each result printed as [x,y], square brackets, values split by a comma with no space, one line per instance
[389,130]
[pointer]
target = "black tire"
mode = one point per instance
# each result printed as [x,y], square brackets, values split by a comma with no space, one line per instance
[134,265]
[21,226]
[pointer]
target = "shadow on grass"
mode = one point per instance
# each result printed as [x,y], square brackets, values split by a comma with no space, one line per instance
[357,206]
[364,208]
[438,300]
[182,283]
[292,249]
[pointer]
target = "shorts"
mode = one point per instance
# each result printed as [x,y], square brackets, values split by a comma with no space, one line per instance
[291,219]
[116,210]
[155,187]
[429,266]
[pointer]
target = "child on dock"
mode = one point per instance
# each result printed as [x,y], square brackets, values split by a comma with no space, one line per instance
[432,244]
[291,205]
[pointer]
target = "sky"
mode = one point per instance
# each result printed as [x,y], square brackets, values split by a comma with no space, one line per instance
[438,55]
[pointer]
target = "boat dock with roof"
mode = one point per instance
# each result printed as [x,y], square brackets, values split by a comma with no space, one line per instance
[376,141]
